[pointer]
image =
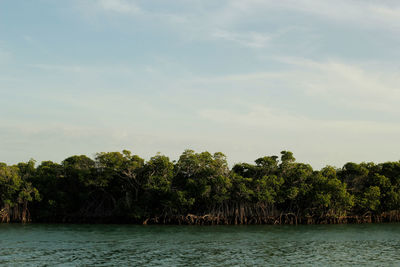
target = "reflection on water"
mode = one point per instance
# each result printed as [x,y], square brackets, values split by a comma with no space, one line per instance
[105,245]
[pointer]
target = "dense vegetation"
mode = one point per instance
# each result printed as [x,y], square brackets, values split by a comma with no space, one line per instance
[197,189]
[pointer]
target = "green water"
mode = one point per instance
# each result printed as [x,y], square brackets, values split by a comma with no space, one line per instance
[133,245]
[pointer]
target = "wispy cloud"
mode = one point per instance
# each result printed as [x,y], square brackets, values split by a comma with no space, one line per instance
[319,141]
[367,86]
[271,119]
[62,68]
[251,39]
[232,20]
[83,69]
[359,85]
[364,86]
[119,6]
[232,75]
[371,13]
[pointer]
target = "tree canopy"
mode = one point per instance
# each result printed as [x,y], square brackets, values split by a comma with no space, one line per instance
[198,187]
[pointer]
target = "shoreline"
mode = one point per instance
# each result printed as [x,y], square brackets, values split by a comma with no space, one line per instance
[207,219]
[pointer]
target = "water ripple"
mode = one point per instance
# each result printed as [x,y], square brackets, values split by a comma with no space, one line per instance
[110,245]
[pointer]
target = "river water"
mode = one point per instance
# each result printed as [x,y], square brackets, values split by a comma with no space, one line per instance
[134,245]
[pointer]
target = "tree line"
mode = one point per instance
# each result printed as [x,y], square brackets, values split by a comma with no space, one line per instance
[199,188]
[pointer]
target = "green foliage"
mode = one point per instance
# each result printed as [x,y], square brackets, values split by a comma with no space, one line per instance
[203,177]
[16,190]
[125,186]
[370,199]
[10,184]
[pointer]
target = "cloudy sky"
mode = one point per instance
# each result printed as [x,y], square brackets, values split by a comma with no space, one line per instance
[245,77]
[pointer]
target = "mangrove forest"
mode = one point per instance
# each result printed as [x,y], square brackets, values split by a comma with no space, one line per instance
[198,188]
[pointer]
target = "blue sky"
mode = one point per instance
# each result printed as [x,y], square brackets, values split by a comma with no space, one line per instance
[248,78]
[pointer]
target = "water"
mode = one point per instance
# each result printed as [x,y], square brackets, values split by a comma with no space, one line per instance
[133,245]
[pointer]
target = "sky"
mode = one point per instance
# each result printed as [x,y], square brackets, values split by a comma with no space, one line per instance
[248,78]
